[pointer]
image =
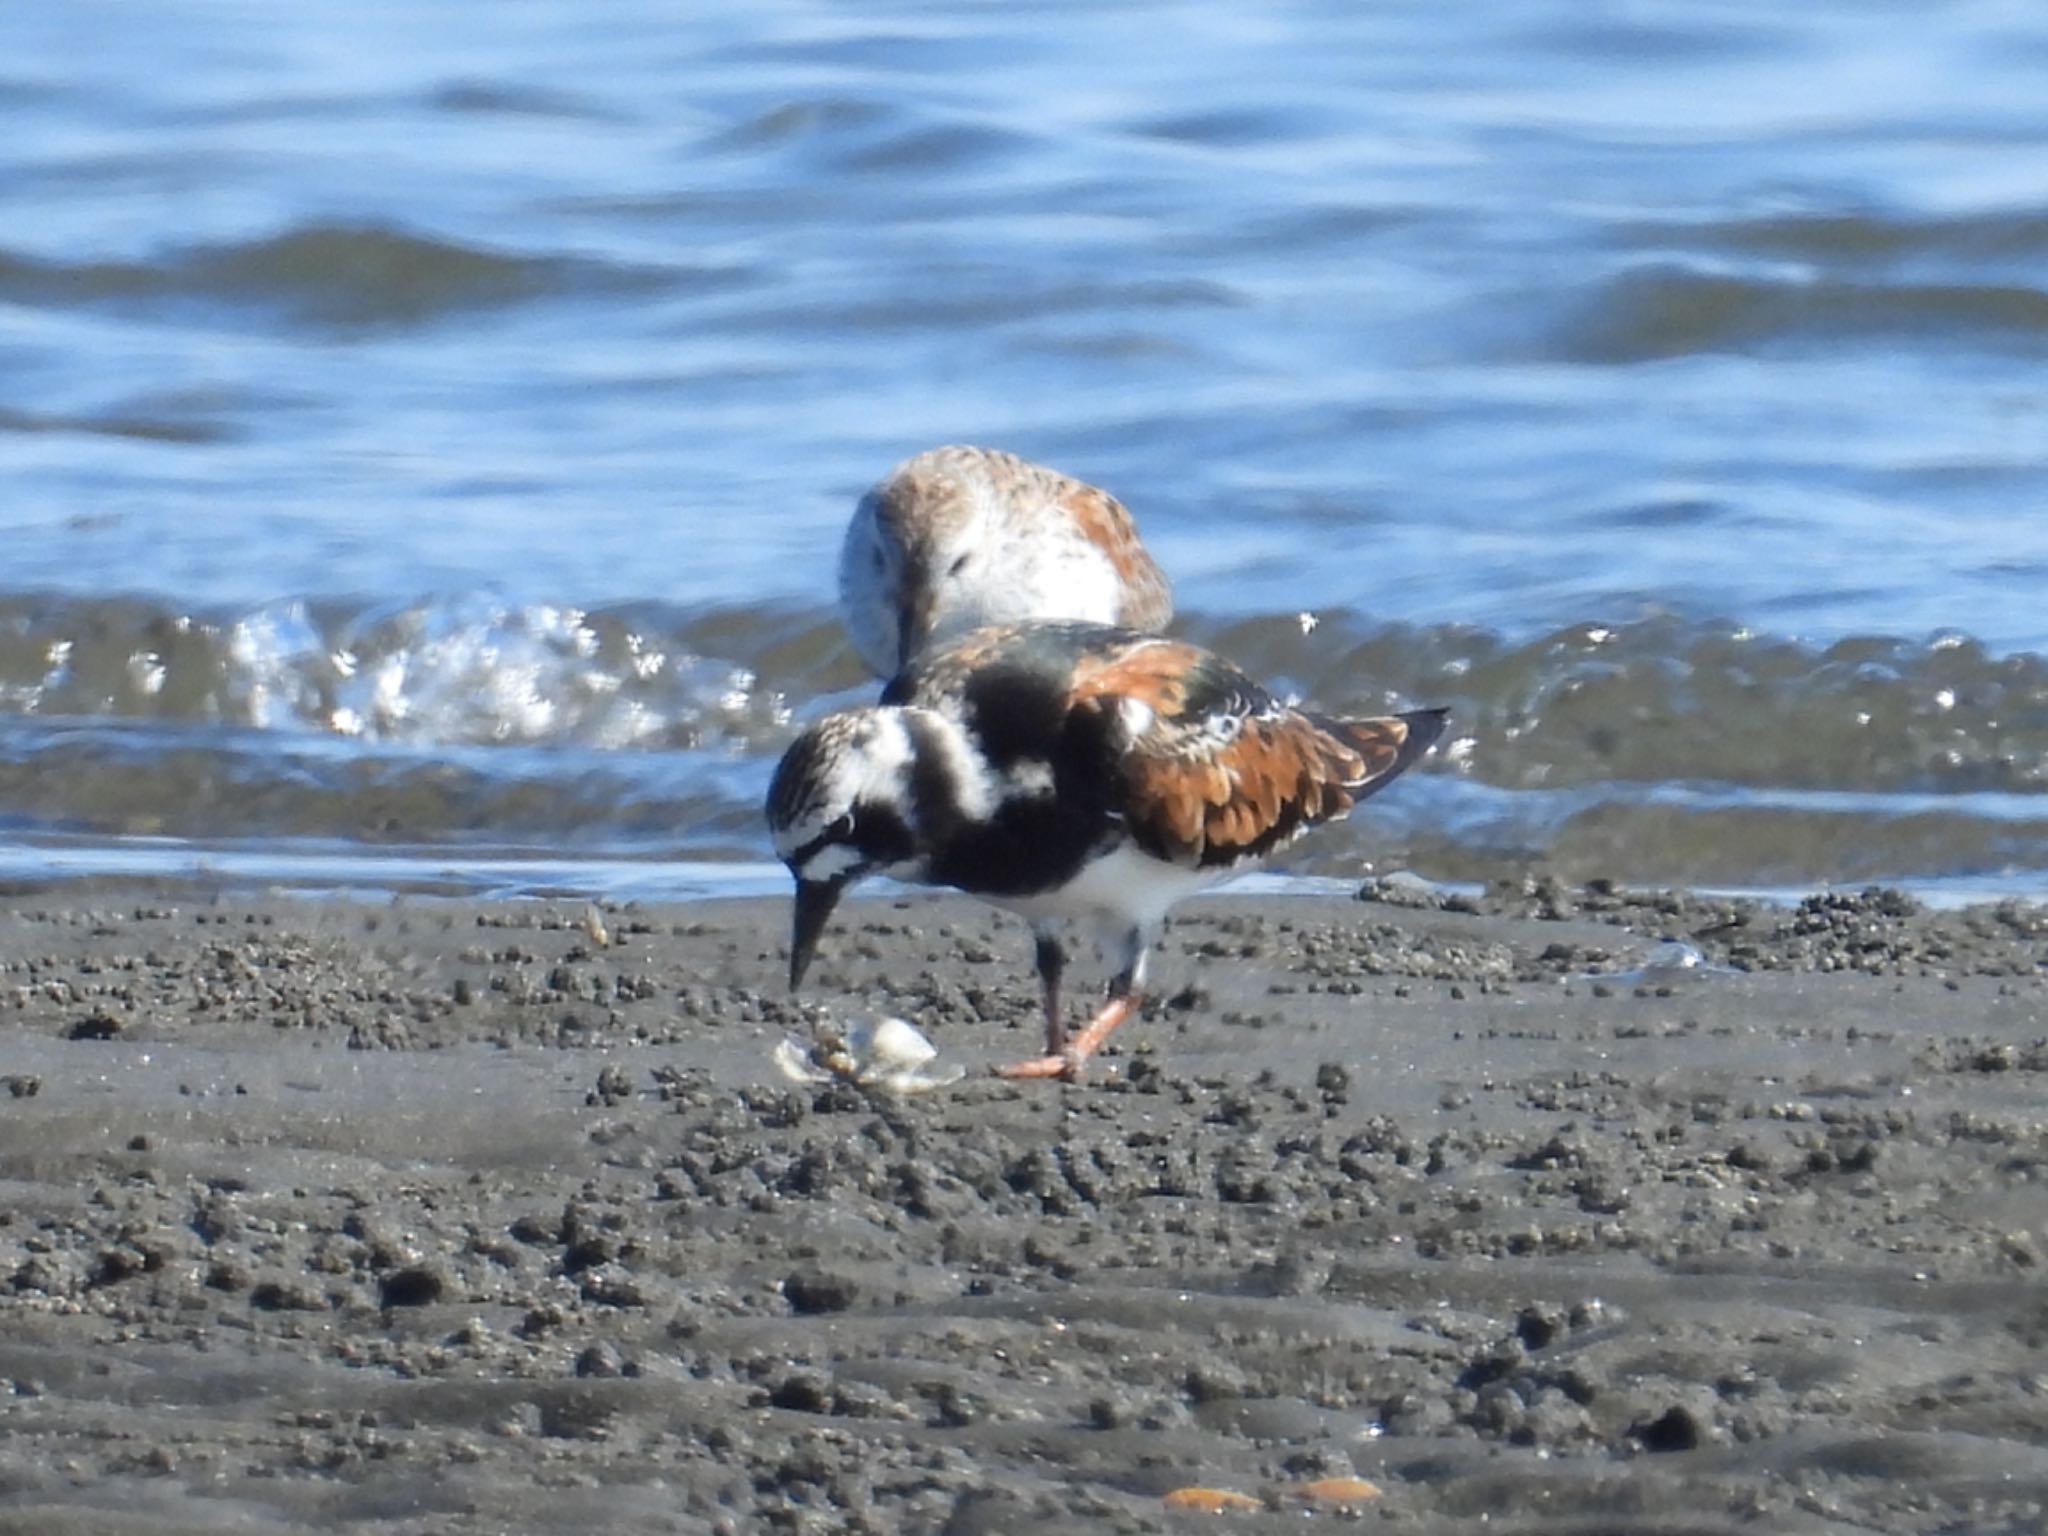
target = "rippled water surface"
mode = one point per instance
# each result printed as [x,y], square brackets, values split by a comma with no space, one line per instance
[426,431]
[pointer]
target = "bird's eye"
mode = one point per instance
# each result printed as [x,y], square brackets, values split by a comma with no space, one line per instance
[841,830]
[960,564]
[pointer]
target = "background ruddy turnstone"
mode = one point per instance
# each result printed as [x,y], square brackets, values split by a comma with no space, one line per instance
[1068,772]
[956,538]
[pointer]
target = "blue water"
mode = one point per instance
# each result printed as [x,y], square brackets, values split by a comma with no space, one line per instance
[503,350]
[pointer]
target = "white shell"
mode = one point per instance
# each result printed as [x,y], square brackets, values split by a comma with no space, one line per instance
[890,1043]
[793,1060]
[890,1054]
[1671,961]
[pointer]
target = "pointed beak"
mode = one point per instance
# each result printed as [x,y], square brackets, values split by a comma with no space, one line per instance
[913,622]
[815,900]
[907,624]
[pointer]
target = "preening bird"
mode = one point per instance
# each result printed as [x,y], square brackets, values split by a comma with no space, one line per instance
[957,538]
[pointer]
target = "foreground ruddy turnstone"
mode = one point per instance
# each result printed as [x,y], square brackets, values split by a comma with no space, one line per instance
[1068,772]
[959,537]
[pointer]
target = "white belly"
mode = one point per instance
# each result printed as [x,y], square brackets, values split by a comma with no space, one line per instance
[1126,887]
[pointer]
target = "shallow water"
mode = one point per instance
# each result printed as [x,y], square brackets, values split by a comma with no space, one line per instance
[427,436]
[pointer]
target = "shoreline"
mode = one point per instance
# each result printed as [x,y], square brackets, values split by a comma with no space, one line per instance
[194,871]
[438,1213]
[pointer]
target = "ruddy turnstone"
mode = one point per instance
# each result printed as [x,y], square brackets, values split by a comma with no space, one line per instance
[958,537]
[1068,772]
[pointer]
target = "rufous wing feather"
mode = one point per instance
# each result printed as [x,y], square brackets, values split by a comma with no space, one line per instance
[1215,797]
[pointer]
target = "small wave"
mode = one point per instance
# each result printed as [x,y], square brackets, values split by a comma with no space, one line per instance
[1689,39]
[1854,237]
[1664,310]
[1663,750]
[995,299]
[508,99]
[1671,700]
[138,426]
[821,118]
[144,779]
[326,276]
[935,149]
[1659,700]
[468,671]
[1235,128]
[852,136]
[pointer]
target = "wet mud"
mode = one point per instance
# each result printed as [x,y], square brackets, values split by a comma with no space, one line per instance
[445,1217]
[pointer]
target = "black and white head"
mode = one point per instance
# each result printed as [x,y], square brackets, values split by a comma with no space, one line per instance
[839,809]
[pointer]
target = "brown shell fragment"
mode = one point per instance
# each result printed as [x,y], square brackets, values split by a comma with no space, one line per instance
[1337,1492]
[1212,1501]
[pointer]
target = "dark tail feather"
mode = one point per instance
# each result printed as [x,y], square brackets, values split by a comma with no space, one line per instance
[1388,744]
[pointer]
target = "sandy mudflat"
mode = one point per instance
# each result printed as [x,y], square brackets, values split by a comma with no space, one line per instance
[441,1218]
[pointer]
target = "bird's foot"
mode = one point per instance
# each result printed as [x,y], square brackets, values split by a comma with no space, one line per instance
[1065,1062]
[1063,1065]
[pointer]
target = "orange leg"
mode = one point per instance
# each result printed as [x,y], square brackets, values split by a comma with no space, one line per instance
[1065,1061]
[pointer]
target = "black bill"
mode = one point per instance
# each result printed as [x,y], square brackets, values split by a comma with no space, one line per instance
[815,900]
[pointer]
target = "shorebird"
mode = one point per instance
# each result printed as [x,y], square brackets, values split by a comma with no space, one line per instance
[1072,773]
[956,538]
